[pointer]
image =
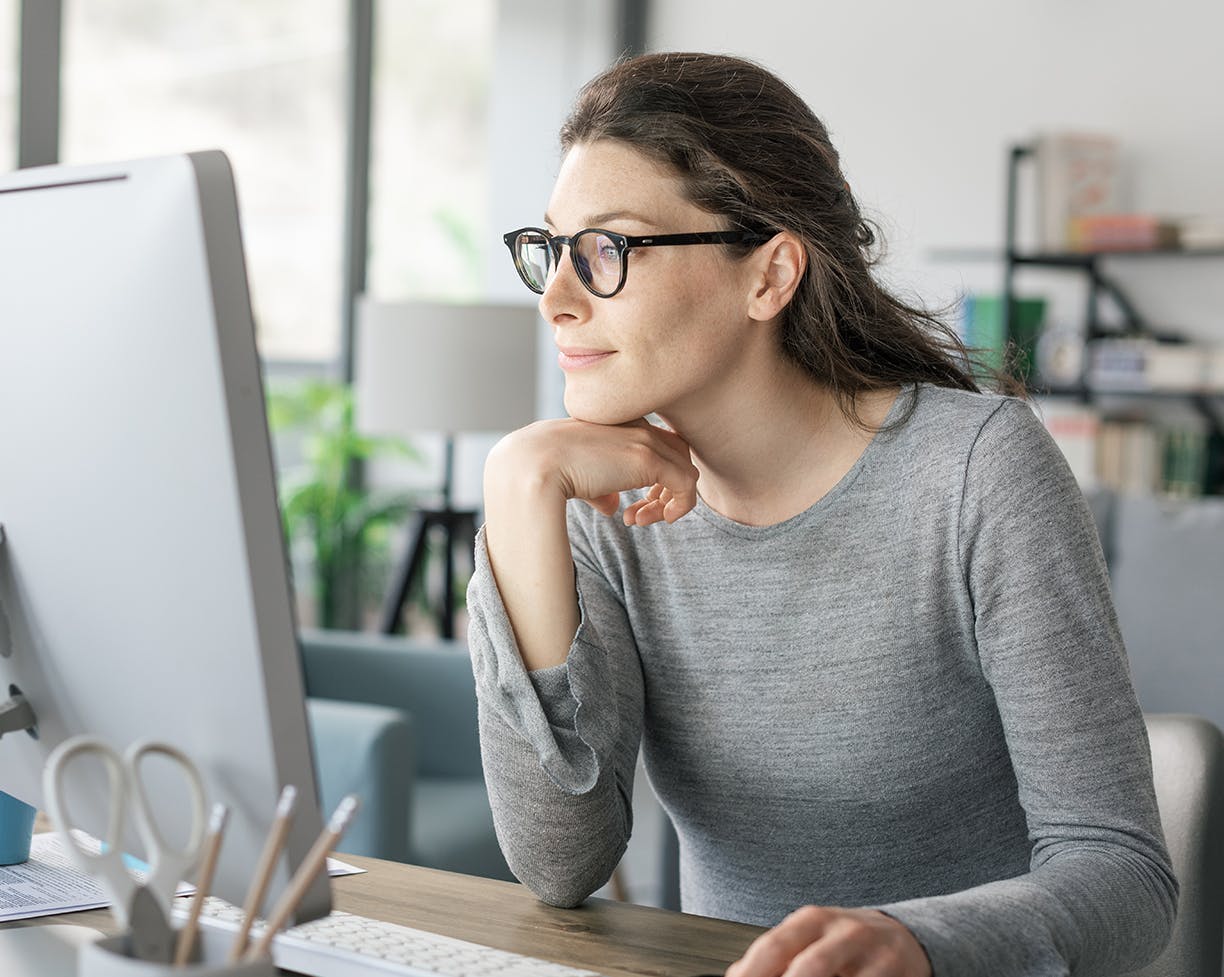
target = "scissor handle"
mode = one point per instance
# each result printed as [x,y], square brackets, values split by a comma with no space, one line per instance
[167,865]
[107,864]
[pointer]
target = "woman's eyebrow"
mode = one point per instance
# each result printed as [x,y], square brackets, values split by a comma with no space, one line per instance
[595,220]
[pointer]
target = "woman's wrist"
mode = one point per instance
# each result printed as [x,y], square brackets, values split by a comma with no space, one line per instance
[528,548]
[521,468]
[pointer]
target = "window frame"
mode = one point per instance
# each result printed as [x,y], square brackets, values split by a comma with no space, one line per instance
[39,60]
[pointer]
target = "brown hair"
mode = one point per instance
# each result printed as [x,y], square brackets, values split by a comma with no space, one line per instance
[748,148]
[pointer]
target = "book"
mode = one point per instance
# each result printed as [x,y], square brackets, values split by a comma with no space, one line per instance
[1201,233]
[1184,463]
[1077,176]
[1129,457]
[1176,366]
[1076,429]
[1121,232]
[1144,364]
[1117,364]
[981,329]
[1213,375]
[1135,454]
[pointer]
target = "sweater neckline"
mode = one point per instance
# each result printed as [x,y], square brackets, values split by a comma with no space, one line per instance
[818,508]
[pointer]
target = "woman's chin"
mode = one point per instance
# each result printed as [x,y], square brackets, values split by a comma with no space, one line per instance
[602,413]
[605,417]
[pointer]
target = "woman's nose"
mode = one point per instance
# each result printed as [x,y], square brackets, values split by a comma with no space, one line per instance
[564,294]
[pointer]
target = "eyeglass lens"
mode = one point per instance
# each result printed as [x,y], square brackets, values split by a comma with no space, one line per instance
[534,259]
[596,257]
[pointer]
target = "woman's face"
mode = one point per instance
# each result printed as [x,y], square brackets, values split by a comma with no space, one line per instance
[677,329]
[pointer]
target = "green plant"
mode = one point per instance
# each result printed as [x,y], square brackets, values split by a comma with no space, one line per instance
[345,527]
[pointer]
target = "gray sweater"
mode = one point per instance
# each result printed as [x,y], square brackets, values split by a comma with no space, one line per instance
[912,696]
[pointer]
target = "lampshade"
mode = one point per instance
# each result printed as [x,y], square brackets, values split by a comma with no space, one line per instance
[444,367]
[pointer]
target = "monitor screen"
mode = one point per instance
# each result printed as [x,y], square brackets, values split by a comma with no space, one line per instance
[143,583]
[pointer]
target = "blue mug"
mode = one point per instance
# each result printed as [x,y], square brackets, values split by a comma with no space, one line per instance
[16,829]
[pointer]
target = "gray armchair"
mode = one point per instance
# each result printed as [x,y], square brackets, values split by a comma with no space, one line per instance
[394,719]
[1188,770]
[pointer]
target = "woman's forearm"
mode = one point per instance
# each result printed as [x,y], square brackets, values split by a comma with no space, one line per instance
[529,552]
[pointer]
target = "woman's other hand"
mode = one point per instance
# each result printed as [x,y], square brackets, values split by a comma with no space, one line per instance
[818,941]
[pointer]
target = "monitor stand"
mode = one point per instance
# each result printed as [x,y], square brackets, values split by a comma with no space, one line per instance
[43,951]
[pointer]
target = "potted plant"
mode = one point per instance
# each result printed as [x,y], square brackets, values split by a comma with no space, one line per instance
[344,528]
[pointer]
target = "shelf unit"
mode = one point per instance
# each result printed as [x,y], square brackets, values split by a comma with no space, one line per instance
[1100,285]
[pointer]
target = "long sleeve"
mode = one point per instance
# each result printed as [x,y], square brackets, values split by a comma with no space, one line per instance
[559,745]
[1100,896]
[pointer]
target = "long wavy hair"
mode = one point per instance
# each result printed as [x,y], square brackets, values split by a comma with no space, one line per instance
[749,149]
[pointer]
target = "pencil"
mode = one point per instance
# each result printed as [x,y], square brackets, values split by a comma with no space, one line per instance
[212,843]
[316,860]
[264,869]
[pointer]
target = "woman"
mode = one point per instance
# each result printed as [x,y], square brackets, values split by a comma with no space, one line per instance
[853,610]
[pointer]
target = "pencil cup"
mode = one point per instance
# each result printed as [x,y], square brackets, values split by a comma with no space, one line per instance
[109,957]
[16,829]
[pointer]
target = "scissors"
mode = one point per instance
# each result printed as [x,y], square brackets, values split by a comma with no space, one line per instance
[142,908]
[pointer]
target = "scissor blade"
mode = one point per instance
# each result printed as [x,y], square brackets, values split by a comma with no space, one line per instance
[152,935]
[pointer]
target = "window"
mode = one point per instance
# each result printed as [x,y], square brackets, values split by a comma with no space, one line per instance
[430,227]
[8,83]
[263,81]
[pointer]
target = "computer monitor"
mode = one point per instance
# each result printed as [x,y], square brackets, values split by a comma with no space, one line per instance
[143,581]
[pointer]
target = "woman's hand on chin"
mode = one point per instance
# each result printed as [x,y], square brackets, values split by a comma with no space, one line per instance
[596,462]
[819,941]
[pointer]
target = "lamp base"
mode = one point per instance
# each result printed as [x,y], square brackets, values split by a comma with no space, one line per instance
[459,527]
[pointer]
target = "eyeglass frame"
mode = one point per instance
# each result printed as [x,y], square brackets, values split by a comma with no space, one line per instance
[624,244]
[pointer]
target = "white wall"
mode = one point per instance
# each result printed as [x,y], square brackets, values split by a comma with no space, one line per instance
[922,99]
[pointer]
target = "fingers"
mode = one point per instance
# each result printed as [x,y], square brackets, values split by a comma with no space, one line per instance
[673,470]
[845,947]
[659,505]
[674,506]
[674,494]
[771,953]
[829,942]
[648,509]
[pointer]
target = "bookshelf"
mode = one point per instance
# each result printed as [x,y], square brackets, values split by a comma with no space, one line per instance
[1098,269]
[1091,265]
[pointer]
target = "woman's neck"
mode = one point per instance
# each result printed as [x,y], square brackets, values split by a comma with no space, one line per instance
[775,451]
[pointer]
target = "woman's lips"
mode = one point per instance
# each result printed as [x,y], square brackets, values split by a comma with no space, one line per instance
[577,359]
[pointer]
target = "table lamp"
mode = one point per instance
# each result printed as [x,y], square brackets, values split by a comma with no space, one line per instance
[447,368]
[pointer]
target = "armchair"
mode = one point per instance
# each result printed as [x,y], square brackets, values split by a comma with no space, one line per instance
[394,719]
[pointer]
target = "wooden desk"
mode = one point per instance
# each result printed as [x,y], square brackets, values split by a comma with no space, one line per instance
[613,938]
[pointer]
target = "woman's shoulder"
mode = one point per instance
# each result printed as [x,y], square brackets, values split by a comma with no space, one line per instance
[952,417]
[996,440]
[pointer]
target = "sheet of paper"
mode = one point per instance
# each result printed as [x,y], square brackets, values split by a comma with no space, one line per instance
[336,867]
[50,882]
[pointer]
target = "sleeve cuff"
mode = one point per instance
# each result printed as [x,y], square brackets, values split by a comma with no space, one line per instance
[567,713]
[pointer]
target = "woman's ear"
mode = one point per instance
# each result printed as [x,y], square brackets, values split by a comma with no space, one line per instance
[778,267]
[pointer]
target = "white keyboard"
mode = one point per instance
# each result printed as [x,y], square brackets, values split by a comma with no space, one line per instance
[344,945]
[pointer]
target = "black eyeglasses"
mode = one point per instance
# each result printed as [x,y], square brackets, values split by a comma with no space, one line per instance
[600,257]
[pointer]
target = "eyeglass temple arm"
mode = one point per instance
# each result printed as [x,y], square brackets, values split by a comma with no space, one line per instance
[700,237]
